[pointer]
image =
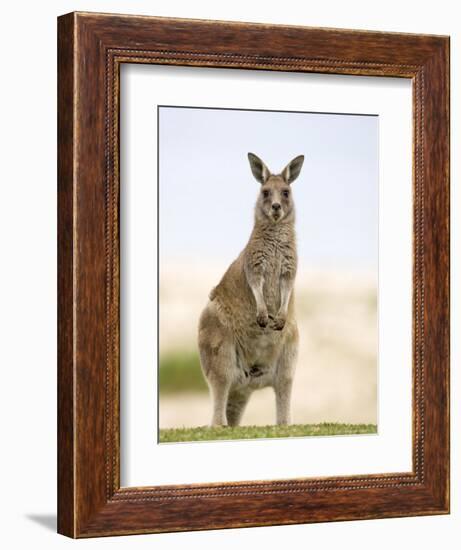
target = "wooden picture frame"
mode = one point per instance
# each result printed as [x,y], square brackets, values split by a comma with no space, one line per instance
[91,48]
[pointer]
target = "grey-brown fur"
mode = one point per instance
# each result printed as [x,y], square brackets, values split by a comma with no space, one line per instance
[248,338]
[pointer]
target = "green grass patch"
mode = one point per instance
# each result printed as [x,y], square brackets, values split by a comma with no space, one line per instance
[180,371]
[255,432]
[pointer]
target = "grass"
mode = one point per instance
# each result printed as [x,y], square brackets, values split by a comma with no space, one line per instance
[256,432]
[180,371]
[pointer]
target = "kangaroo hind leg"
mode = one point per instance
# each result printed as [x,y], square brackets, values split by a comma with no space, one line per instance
[219,363]
[284,378]
[236,405]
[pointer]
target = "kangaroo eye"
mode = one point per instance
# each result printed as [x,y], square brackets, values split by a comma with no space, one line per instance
[265,193]
[286,194]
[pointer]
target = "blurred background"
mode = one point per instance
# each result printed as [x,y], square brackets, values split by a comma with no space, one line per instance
[206,200]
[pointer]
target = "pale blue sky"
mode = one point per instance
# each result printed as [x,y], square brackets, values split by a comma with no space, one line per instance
[207,191]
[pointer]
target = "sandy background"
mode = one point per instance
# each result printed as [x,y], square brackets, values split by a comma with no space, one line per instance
[336,377]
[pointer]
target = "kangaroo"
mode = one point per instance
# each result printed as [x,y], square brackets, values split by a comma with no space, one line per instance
[248,337]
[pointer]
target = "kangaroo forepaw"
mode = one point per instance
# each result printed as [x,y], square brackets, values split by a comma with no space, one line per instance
[262,319]
[278,323]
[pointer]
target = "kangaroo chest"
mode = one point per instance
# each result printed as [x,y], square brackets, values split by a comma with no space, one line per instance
[271,288]
[279,259]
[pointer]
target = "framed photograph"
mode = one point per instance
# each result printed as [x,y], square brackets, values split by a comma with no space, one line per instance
[253,259]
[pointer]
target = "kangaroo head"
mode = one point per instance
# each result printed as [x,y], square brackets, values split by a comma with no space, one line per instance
[275,201]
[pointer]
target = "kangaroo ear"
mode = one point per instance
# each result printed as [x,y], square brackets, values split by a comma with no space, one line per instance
[292,170]
[259,169]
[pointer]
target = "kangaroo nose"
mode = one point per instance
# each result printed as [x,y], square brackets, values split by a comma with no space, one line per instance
[276,206]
